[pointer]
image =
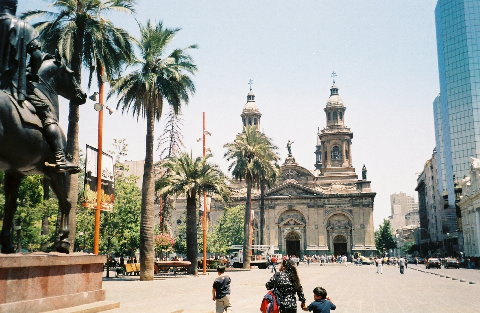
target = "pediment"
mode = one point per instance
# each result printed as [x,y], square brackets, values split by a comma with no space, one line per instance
[295,172]
[292,222]
[291,189]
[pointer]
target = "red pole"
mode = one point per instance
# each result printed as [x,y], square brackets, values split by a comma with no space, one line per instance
[204,209]
[96,237]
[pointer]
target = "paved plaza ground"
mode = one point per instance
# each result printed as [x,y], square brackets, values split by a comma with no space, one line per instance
[352,289]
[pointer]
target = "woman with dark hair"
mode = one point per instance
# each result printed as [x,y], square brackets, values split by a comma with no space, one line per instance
[285,284]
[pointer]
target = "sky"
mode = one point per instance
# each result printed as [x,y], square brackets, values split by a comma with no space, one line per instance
[384,53]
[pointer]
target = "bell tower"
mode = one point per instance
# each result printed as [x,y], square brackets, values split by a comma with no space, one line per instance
[251,114]
[334,142]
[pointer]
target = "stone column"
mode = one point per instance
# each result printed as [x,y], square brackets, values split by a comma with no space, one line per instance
[344,154]
[350,153]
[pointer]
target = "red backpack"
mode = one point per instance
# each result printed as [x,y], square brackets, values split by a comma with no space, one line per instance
[269,303]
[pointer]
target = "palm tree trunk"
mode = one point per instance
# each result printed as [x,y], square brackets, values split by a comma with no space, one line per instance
[72,132]
[246,226]
[147,251]
[192,244]
[262,212]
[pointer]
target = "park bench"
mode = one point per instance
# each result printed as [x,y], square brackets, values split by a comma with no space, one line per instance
[132,269]
[174,266]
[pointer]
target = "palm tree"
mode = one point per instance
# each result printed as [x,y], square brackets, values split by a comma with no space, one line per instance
[251,154]
[192,177]
[79,30]
[268,174]
[157,77]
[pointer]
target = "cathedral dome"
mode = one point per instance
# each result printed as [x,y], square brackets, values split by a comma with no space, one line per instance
[334,99]
[251,106]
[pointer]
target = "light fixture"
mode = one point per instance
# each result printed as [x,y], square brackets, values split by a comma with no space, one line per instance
[93,97]
[98,107]
[110,110]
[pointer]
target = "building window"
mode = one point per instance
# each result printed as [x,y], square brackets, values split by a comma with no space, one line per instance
[255,121]
[341,115]
[329,116]
[336,153]
[334,116]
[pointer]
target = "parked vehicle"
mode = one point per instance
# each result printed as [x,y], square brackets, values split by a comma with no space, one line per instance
[451,262]
[433,262]
[366,261]
[259,256]
[421,260]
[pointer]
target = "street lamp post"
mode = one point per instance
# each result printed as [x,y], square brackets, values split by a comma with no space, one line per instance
[96,237]
[204,228]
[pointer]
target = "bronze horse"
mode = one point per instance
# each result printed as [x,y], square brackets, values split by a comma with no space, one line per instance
[24,150]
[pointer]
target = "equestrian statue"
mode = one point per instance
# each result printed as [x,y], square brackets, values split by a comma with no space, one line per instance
[31,141]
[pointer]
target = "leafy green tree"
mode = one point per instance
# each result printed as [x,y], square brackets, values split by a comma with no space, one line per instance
[227,231]
[191,177]
[384,239]
[119,229]
[407,247]
[250,153]
[158,76]
[82,34]
[180,245]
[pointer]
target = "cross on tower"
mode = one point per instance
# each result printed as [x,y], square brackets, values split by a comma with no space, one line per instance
[334,75]
[250,82]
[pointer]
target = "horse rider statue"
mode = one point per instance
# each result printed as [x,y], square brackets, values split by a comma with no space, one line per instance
[18,40]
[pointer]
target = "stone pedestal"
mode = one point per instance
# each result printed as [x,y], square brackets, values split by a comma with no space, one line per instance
[39,282]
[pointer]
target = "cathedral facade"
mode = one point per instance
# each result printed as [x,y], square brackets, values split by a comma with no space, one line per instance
[328,210]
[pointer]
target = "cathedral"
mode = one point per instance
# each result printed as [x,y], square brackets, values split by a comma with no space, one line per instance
[328,210]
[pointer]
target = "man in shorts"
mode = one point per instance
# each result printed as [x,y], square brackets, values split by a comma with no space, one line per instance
[221,291]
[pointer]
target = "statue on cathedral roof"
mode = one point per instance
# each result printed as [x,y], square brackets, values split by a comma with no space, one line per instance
[364,172]
[289,148]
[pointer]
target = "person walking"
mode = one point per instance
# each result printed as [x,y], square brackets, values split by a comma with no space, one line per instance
[286,283]
[378,262]
[401,265]
[221,291]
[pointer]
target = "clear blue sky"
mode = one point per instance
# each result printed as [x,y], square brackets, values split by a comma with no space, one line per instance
[384,53]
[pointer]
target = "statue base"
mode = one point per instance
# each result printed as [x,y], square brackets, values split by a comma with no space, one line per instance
[39,282]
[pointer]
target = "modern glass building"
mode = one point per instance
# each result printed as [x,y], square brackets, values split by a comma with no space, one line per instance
[457,109]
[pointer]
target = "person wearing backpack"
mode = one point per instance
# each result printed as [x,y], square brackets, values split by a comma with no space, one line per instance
[285,284]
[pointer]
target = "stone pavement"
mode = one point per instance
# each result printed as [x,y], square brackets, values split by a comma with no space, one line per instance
[352,289]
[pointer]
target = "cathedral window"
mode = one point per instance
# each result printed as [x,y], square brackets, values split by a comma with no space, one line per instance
[334,116]
[250,121]
[255,121]
[336,153]
[340,114]
[329,116]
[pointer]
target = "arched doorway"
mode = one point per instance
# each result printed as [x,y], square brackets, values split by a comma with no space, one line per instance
[293,243]
[339,245]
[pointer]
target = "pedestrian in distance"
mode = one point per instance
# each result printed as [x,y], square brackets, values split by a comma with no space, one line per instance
[378,262]
[273,260]
[221,291]
[322,303]
[286,284]
[401,265]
